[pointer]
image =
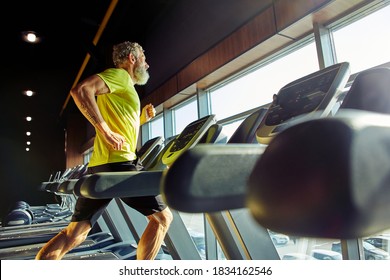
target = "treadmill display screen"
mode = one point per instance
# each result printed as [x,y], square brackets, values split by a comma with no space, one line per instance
[316,93]
[187,134]
[190,136]
[301,97]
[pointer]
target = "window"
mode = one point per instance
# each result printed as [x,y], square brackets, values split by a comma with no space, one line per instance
[185,114]
[230,128]
[257,87]
[87,155]
[157,126]
[365,43]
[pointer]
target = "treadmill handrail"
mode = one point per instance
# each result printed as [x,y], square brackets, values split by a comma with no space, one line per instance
[119,184]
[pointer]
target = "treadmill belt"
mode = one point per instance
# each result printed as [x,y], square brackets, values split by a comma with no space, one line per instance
[92,256]
[29,251]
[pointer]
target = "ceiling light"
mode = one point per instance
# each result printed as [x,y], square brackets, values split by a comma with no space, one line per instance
[28,133]
[30,37]
[27,149]
[28,92]
[28,143]
[28,119]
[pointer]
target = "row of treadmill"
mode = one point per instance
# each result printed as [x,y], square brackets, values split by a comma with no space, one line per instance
[313,163]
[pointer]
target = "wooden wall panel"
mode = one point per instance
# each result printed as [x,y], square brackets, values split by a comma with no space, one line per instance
[250,35]
[259,37]
[164,92]
[287,12]
[253,33]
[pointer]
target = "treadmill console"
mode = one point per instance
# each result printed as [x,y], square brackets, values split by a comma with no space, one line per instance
[150,148]
[190,136]
[315,93]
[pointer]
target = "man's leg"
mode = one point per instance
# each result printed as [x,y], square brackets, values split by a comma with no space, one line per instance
[70,237]
[154,234]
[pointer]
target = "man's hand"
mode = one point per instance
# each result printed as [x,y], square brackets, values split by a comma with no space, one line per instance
[113,139]
[148,112]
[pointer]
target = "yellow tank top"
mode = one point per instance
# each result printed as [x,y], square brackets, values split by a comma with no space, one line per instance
[121,110]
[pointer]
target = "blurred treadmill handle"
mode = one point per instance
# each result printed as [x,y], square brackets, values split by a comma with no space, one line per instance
[119,184]
[209,178]
[67,186]
[325,178]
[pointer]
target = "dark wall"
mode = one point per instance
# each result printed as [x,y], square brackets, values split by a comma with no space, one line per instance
[22,173]
[188,29]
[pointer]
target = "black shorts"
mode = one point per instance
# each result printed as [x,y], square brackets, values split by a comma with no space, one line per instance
[91,209]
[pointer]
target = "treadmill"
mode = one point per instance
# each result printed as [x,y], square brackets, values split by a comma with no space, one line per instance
[45,229]
[348,156]
[312,96]
[23,242]
[212,179]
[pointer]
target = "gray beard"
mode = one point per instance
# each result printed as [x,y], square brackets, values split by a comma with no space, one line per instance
[141,76]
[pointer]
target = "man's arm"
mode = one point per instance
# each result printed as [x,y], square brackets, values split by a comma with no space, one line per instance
[84,96]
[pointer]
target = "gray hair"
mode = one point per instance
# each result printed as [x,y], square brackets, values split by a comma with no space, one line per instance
[122,50]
